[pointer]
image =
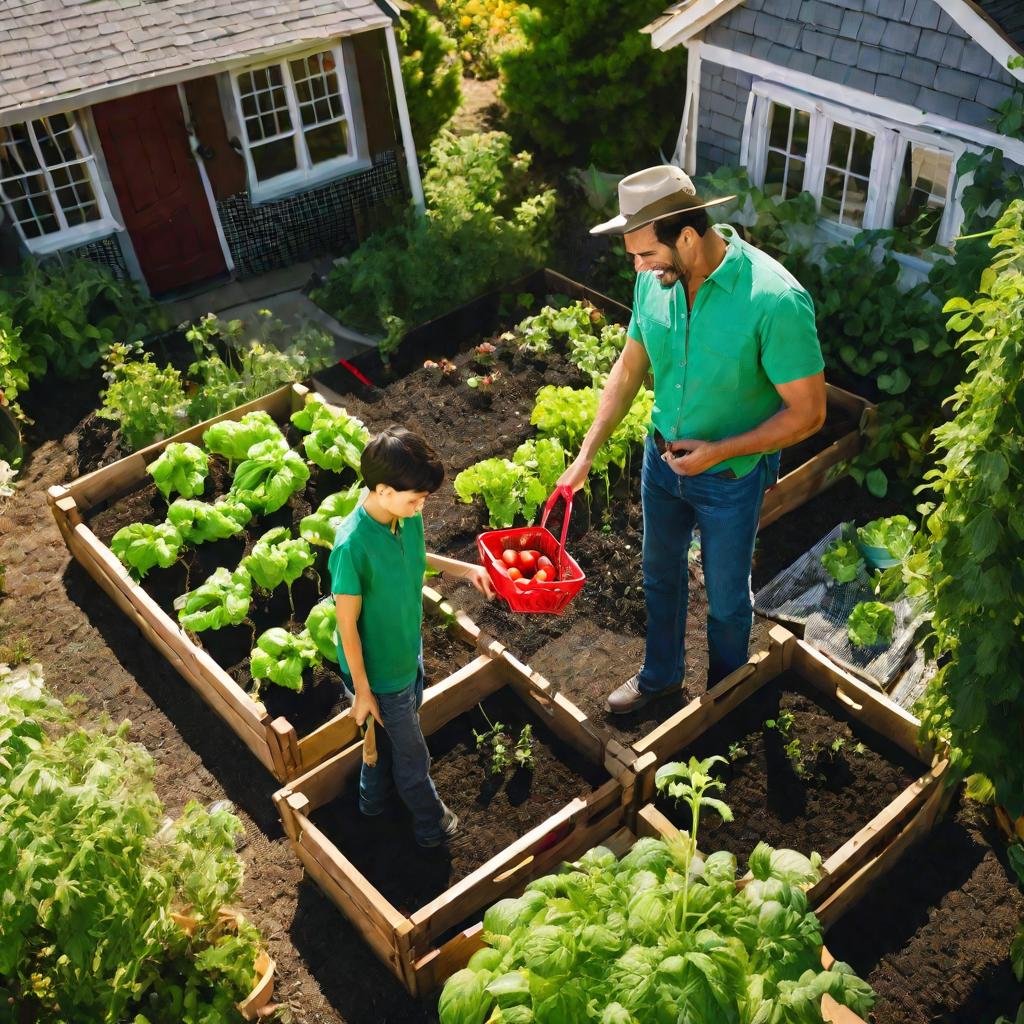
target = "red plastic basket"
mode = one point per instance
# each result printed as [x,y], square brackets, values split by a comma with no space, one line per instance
[549,597]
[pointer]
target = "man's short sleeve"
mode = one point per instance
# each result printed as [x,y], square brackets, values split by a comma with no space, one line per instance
[345,577]
[790,349]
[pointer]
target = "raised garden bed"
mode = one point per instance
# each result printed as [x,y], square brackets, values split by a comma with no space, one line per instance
[289,732]
[407,902]
[858,804]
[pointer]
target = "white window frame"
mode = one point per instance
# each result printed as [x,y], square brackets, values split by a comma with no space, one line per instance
[307,174]
[68,236]
[886,162]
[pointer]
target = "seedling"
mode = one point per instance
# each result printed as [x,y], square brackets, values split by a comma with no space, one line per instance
[442,370]
[783,725]
[503,752]
[484,354]
[485,384]
[737,752]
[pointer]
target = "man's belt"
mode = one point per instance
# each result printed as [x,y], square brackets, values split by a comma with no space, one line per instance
[663,446]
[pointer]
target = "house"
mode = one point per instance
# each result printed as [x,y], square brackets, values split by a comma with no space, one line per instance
[866,104]
[181,141]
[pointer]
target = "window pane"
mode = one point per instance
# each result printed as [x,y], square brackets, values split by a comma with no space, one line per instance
[922,194]
[863,148]
[774,173]
[778,127]
[16,153]
[931,170]
[795,182]
[839,147]
[856,200]
[327,142]
[273,158]
[832,195]
[801,130]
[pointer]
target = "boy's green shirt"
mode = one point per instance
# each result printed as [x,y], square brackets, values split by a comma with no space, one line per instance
[386,570]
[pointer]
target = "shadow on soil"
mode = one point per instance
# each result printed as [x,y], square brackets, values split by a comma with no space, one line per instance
[245,781]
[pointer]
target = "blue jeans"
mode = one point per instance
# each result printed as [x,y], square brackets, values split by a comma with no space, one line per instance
[403,761]
[726,512]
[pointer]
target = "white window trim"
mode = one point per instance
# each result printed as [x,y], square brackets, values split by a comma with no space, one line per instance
[890,137]
[68,237]
[307,175]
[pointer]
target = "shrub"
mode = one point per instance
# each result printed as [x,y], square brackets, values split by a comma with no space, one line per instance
[587,86]
[431,75]
[482,227]
[484,30]
[13,375]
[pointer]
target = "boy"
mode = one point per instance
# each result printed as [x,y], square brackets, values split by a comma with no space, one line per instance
[377,568]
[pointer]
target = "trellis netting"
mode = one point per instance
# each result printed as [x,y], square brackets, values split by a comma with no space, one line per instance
[806,595]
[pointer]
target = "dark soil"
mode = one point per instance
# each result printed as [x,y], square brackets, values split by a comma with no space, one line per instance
[494,810]
[931,938]
[837,425]
[769,801]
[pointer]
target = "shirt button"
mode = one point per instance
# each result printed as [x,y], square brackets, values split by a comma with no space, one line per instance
[678,386]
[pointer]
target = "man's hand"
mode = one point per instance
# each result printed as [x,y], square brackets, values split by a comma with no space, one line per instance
[576,475]
[479,578]
[691,458]
[364,706]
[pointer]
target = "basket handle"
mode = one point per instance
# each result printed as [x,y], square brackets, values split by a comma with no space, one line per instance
[566,492]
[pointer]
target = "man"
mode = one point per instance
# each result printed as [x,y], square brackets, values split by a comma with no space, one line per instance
[729,335]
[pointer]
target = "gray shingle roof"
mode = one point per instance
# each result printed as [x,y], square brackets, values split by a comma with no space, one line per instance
[1009,16]
[53,49]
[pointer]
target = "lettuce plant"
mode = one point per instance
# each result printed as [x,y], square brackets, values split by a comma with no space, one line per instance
[508,490]
[223,600]
[141,546]
[842,560]
[894,534]
[870,624]
[336,442]
[315,409]
[276,558]
[322,626]
[199,522]
[269,476]
[320,526]
[234,438]
[608,941]
[282,657]
[181,469]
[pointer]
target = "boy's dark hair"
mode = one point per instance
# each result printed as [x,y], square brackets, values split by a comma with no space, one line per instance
[669,229]
[401,459]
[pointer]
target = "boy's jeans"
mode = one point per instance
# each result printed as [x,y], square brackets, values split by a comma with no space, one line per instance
[403,761]
[726,512]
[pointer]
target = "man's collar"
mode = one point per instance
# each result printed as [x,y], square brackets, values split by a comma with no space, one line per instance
[725,274]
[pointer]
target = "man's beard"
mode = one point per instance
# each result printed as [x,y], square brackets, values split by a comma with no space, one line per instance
[669,276]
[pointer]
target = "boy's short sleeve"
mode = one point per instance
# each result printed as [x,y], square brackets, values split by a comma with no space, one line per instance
[790,349]
[345,578]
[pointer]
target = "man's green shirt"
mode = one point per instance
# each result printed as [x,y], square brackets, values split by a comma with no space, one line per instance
[386,570]
[715,367]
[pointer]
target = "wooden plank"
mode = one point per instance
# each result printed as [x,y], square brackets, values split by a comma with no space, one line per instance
[651,822]
[434,969]
[867,704]
[337,734]
[876,835]
[458,693]
[323,783]
[287,743]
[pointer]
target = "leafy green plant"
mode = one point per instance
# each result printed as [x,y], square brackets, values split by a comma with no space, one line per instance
[143,546]
[315,409]
[322,626]
[13,357]
[199,522]
[234,438]
[431,74]
[69,314]
[496,744]
[320,526]
[336,442]
[282,657]
[276,558]
[95,877]
[973,540]
[894,534]
[544,458]
[223,600]
[736,752]
[791,745]
[269,476]
[662,934]
[508,489]
[871,623]
[561,88]
[484,226]
[842,560]
[146,401]
[181,469]
[591,343]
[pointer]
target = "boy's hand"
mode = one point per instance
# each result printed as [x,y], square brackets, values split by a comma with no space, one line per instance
[365,705]
[479,578]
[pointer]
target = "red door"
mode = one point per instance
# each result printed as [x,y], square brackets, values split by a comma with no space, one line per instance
[158,188]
